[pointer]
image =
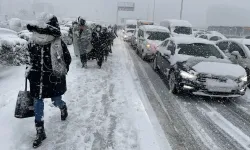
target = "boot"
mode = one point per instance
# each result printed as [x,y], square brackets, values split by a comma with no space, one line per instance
[64,112]
[40,135]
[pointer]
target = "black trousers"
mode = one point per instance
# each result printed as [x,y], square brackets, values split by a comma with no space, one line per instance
[83,58]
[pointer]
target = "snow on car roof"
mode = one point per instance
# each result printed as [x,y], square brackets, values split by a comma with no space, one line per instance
[131,22]
[241,41]
[189,40]
[175,22]
[215,33]
[155,28]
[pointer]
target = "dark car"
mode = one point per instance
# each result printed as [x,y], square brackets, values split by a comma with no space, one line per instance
[199,67]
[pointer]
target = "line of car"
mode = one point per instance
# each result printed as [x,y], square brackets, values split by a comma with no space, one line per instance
[216,68]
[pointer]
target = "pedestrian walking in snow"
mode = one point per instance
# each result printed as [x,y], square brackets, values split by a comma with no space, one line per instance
[75,38]
[97,45]
[48,64]
[105,36]
[82,35]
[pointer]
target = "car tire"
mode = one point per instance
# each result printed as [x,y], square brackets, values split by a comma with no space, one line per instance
[155,65]
[172,83]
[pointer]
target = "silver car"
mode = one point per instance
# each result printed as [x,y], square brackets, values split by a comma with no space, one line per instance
[238,51]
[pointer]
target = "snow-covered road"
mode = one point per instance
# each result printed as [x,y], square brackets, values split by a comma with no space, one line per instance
[106,110]
[125,106]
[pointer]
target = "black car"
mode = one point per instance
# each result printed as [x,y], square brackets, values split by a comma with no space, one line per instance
[199,67]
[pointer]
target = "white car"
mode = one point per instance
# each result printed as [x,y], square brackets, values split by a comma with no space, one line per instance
[11,47]
[199,67]
[212,36]
[149,37]
[178,27]
[238,51]
[128,34]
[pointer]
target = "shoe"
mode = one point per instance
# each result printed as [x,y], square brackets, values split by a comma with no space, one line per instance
[40,135]
[64,113]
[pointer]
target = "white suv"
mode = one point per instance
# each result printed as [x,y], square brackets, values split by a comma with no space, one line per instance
[149,37]
[238,51]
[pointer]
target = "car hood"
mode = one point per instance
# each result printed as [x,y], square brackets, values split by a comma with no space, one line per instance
[219,69]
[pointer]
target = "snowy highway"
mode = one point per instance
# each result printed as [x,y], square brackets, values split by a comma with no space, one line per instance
[194,122]
[125,105]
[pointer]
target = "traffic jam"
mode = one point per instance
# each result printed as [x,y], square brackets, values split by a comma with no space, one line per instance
[195,61]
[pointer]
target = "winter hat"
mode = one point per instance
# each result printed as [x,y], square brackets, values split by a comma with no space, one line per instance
[46,24]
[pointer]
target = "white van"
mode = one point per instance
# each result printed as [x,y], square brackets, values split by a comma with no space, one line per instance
[177,27]
[130,24]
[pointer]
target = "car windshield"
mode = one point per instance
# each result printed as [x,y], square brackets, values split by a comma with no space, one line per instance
[161,36]
[199,50]
[131,26]
[183,30]
[130,31]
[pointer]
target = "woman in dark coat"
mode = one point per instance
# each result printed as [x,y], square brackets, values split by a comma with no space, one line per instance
[97,45]
[49,61]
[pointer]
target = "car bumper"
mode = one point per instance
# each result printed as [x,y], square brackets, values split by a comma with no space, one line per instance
[198,88]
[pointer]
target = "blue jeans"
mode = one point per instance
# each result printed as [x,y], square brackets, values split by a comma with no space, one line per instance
[39,106]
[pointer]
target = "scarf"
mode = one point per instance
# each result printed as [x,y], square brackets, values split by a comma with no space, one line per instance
[56,52]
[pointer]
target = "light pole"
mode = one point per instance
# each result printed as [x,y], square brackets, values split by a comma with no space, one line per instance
[181,9]
[154,12]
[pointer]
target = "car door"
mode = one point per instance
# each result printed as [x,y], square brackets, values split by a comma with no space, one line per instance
[166,60]
[161,50]
[236,47]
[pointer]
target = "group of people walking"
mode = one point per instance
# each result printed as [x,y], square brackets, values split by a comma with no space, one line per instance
[92,43]
[49,60]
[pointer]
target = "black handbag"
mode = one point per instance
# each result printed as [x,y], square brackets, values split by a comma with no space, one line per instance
[24,104]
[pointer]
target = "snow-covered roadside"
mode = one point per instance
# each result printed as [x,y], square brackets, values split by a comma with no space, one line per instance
[105,111]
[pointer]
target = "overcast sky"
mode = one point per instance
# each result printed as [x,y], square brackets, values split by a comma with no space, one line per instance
[194,11]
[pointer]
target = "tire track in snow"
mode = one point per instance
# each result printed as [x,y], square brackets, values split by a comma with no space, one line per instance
[179,132]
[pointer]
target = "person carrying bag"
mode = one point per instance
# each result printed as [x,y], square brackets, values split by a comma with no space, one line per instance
[24,104]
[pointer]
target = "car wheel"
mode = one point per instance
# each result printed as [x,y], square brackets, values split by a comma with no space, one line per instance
[172,83]
[143,56]
[155,65]
[137,51]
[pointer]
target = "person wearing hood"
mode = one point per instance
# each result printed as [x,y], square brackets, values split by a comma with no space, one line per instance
[82,36]
[97,44]
[47,66]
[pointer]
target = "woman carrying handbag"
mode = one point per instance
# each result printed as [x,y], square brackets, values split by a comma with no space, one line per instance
[49,61]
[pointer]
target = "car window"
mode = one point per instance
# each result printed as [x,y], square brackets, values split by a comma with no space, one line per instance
[235,47]
[160,36]
[215,38]
[199,50]
[171,47]
[203,37]
[223,45]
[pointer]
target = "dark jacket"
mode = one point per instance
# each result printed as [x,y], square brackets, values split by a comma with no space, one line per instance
[43,83]
[96,38]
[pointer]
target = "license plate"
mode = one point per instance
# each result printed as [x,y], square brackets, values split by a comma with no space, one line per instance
[219,89]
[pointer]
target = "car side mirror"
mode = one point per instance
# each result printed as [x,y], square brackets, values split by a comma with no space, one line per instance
[167,54]
[236,54]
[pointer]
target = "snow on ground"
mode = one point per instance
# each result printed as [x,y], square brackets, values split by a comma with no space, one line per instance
[105,110]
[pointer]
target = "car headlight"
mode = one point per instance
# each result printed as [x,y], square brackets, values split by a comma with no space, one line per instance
[187,75]
[148,46]
[243,79]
